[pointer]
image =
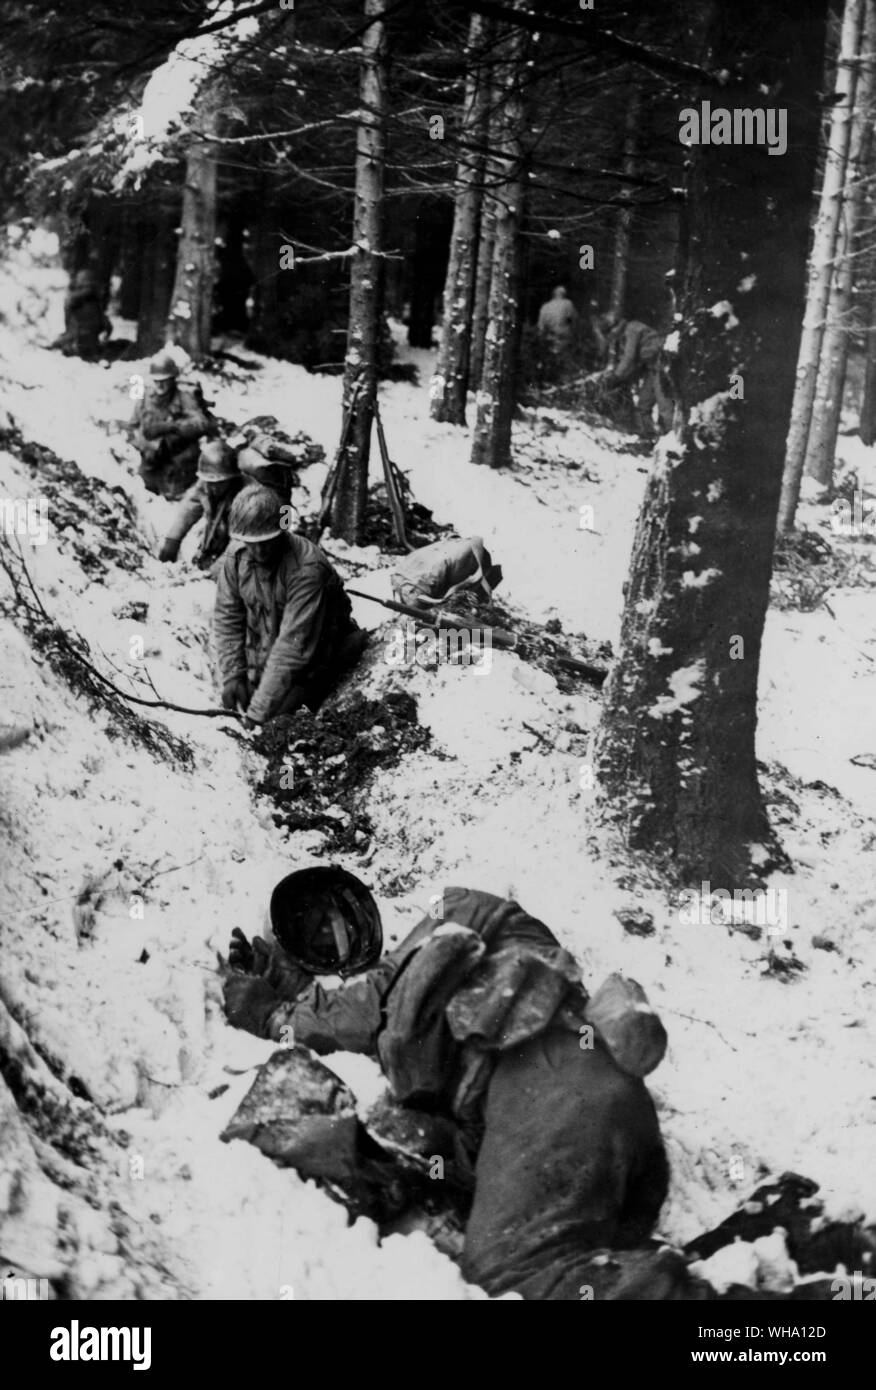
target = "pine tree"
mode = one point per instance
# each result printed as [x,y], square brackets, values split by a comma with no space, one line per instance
[675,749]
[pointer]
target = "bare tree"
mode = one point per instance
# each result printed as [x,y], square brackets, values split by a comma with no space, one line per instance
[675,749]
[621,256]
[491,442]
[449,388]
[360,363]
[822,259]
[191,306]
[827,407]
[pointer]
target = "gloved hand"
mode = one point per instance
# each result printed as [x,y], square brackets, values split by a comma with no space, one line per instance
[169,549]
[249,1003]
[235,693]
[252,959]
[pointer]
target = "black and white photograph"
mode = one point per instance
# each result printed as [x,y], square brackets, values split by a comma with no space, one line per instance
[438,613]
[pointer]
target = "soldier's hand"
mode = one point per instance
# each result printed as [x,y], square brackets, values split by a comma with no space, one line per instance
[261,956]
[249,1002]
[240,953]
[235,694]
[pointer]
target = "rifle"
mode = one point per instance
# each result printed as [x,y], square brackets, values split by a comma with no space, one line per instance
[330,485]
[500,638]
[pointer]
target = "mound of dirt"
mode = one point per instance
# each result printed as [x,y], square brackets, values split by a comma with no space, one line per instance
[319,768]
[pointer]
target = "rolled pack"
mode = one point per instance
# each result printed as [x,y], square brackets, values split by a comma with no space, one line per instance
[620,1013]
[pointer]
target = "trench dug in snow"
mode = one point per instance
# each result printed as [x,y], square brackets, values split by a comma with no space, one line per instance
[124,873]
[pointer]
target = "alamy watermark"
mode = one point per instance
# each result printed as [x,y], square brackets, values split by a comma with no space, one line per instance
[854,518]
[28,517]
[761,907]
[16,1288]
[408,645]
[742,126]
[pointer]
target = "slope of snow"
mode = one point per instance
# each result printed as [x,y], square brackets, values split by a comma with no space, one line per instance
[761,1075]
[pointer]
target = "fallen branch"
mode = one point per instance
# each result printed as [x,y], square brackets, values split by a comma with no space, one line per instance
[60,639]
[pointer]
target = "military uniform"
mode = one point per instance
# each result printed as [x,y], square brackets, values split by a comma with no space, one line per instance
[287,627]
[434,573]
[166,431]
[209,500]
[634,357]
[477,1016]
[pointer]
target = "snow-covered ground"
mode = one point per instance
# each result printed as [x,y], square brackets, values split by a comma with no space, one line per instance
[761,1075]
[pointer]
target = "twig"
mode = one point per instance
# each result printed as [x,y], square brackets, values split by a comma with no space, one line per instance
[61,639]
[173,869]
[708,1023]
[546,741]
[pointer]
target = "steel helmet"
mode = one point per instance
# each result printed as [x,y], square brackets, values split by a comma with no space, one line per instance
[163,366]
[255,515]
[327,921]
[216,462]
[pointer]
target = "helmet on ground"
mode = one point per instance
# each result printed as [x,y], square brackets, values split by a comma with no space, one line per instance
[327,921]
[255,515]
[162,367]
[216,462]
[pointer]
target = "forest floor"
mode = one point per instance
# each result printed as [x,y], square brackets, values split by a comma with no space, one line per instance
[116,1019]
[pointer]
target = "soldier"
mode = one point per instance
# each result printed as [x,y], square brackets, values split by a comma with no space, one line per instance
[167,426]
[283,626]
[84,318]
[633,352]
[479,1016]
[218,483]
[558,330]
[435,573]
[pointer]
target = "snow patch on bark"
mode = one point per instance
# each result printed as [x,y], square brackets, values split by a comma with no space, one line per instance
[684,685]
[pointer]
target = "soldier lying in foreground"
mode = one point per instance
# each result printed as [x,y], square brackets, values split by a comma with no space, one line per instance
[480,1016]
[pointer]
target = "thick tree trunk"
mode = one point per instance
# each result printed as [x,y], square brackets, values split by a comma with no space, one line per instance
[191,311]
[449,387]
[822,259]
[265,330]
[828,404]
[623,231]
[132,257]
[675,750]
[159,262]
[491,442]
[360,363]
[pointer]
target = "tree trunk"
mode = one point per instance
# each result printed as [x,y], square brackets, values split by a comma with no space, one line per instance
[835,347]
[432,234]
[623,231]
[360,363]
[449,387]
[491,442]
[675,749]
[822,259]
[191,311]
[159,262]
[132,258]
[483,278]
[867,426]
